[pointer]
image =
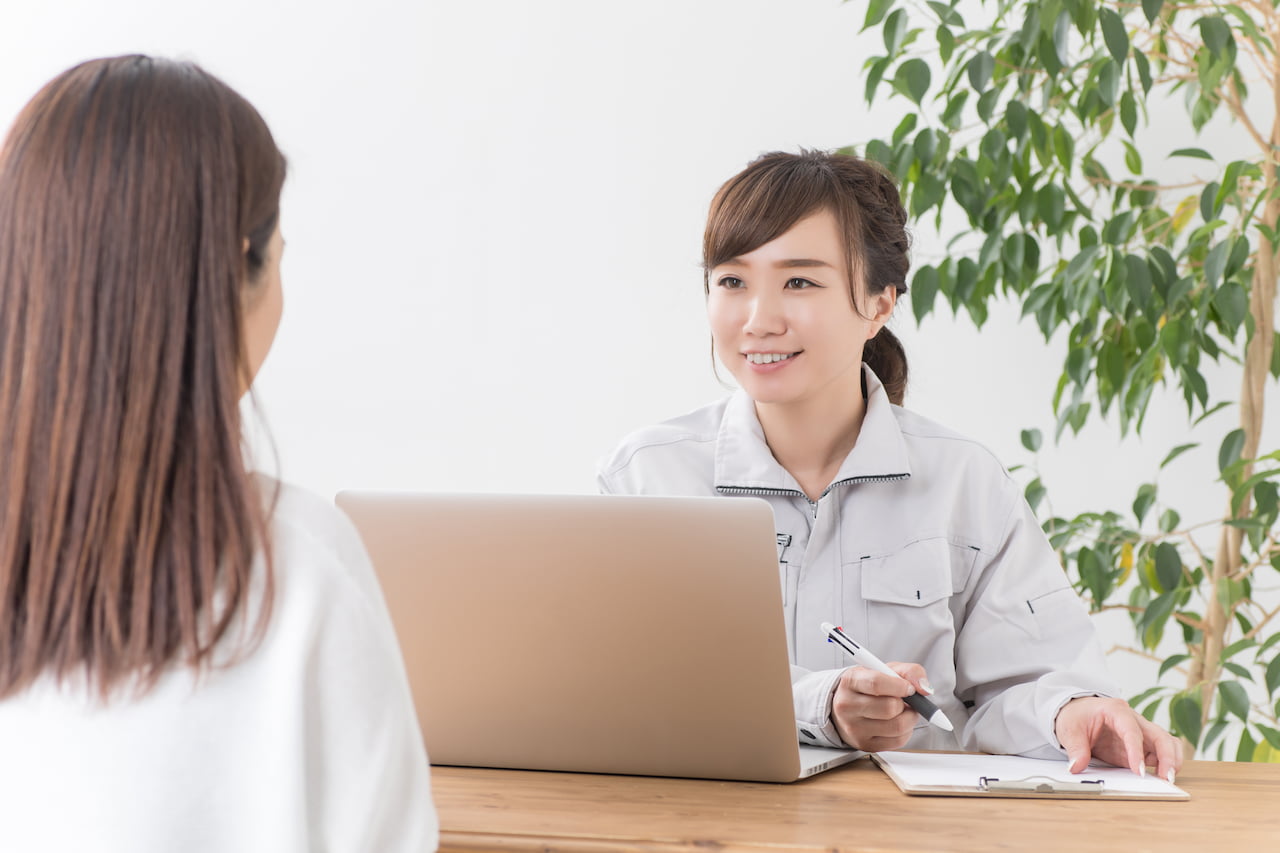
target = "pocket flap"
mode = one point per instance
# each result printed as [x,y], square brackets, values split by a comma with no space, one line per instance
[916,576]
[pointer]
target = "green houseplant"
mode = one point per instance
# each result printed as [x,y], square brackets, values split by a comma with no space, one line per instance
[1023,142]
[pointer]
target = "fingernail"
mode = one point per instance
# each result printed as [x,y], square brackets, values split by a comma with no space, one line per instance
[1142,771]
[926,686]
[1169,776]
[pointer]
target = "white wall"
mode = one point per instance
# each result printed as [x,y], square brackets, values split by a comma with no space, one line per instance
[494,216]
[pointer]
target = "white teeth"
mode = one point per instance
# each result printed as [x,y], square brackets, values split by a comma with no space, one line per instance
[767,357]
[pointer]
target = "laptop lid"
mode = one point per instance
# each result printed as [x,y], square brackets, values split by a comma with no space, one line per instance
[603,634]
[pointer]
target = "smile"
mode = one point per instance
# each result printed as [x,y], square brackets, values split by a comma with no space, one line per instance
[768,357]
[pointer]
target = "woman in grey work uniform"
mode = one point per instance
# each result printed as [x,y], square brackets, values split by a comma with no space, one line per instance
[911,537]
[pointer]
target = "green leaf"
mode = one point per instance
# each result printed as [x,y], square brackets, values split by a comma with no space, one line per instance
[1208,207]
[895,30]
[904,127]
[1114,34]
[1034,493]
[1232,304]
[1137,281]
[1094,574]
[1217,407]
[875,73]
[1215,263]
[952,115]
[946,44]
[1272,736]
[1185,713]
[1192,152]
[1245,752]
[912,79]
[1064,146]
[1015,118]
[1143,65]
[1128,113]
[1109,83]
[1170,662]
[1230,182]
[1151,8]
[1169,520]
[1178,451]
[1273,675]
[980,68]
[1237,647]
[1132,161]
[1145,498]
[1216,33]
[875,12]
[1061,30]
[1031,439]
[1234,698]
[1168,566]
[924,288]
[1229,452]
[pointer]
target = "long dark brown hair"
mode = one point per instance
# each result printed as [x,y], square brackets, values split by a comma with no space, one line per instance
[128,523]
[777,190]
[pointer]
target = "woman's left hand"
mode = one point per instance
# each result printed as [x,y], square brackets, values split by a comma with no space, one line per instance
[1094,727]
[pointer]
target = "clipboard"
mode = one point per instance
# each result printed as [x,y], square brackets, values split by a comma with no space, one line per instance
[967,774]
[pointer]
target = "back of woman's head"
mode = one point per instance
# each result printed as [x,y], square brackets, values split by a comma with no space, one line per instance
[129,189]
[777,190]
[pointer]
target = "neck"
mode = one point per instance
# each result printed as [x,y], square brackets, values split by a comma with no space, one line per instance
[811,438]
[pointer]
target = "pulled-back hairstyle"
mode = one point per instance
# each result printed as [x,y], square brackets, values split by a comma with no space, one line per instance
[777,190]
[128,523]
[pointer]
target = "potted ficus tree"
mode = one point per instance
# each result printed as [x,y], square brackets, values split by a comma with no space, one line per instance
[1025,143]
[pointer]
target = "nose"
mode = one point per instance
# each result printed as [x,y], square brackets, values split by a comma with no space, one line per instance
[765,315]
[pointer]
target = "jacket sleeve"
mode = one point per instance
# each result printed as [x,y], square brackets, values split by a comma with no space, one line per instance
[812,692]
[1026,647]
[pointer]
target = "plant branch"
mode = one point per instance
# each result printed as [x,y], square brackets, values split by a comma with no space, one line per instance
[1131,650]
[1253,632]
[1231,97]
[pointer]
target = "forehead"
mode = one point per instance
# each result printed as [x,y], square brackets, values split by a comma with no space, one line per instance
[814,240]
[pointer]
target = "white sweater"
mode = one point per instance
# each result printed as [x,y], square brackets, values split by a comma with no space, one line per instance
[308,744]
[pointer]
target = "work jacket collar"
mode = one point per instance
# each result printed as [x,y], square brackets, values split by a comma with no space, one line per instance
[744,461]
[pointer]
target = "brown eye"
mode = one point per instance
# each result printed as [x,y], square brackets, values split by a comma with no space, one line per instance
[800,284]
[730,282]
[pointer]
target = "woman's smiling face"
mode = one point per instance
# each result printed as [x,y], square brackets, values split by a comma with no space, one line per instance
[783,320]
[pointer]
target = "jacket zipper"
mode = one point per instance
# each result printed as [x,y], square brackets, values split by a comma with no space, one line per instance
[877,478]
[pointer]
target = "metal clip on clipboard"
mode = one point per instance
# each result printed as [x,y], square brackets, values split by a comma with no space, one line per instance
[1041,785]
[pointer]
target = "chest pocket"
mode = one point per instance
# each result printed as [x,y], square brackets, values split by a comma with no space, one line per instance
[907,594]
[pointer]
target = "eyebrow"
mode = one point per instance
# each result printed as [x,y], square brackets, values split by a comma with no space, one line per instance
[787,263]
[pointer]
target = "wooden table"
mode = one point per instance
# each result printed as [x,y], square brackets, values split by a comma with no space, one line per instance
[1233,807]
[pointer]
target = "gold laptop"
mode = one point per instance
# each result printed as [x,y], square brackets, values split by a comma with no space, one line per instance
[602,634]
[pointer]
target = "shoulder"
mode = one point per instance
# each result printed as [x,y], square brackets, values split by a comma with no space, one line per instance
[939,453]
[314,544]
[681,444]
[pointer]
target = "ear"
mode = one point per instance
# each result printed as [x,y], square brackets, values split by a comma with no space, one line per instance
[881,305]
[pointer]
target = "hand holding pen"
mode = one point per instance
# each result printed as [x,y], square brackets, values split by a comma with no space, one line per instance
[873,703]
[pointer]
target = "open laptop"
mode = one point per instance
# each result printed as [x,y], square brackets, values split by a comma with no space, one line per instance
[602,634]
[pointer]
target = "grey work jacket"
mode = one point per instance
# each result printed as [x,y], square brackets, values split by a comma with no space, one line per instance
[922,548]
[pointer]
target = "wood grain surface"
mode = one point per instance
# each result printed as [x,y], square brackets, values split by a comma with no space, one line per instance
[853,808]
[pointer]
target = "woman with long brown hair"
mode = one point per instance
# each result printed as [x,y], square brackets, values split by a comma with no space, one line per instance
[910,536]
[192,657]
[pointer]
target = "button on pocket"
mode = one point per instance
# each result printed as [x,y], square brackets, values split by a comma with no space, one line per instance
[907,597]
[916,576]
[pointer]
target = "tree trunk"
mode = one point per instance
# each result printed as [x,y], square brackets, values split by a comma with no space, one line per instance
[1207,666]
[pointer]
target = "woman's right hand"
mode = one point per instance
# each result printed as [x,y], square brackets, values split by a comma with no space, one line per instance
[867,708]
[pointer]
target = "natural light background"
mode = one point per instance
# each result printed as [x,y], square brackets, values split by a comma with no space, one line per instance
[494,215]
